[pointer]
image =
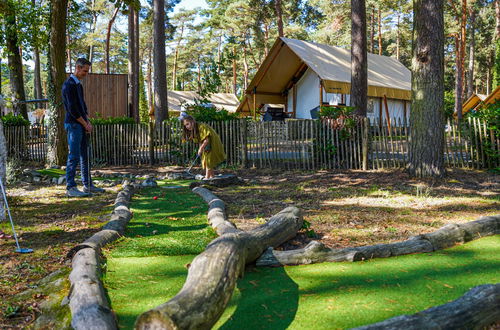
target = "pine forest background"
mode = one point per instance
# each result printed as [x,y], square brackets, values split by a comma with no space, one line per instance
[220,47]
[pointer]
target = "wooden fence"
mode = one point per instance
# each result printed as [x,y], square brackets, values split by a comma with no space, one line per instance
[291,144]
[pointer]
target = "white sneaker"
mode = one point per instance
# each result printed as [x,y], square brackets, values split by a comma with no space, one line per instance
[74,192]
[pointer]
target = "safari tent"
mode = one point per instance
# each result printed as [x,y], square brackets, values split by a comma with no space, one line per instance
[476,101]
[301,76]
[226,101]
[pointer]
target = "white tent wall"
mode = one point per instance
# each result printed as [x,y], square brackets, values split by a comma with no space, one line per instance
[307,94]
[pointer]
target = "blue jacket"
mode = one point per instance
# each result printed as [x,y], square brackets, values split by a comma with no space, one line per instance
[72,95]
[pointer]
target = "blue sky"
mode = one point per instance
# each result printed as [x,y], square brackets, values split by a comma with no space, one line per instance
[190,4]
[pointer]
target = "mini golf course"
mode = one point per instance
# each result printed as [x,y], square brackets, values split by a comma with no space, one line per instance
[149,266]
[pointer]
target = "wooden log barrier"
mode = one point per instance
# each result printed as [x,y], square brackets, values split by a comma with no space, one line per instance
[442,238]
[87,300]
[477,309]
[212,275]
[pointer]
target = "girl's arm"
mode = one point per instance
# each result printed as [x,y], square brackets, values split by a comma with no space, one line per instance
[202,146]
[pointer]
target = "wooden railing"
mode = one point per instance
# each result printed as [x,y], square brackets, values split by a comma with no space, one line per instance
[290,144]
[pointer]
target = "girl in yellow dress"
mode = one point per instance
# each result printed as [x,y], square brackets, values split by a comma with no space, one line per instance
[210,149]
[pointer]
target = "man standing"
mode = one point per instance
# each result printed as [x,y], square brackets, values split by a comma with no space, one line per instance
[78,129]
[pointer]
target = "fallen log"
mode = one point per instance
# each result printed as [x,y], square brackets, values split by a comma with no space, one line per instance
[87,299]
[216,212]
[478,308]
[442,238]
[212,275]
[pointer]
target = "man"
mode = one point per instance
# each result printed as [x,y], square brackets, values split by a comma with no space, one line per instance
[78,129]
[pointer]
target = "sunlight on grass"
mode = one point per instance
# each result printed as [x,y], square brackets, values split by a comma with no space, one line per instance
[320,296]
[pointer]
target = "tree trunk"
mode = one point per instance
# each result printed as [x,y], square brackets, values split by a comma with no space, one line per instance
[398,37]
[478,308]
[3,166]
[359,60]
[133,74]
[159,63]
[37,79]
[212,275]
[149,89]
[108,34]
[472,45]
[445,237]
[427,115]
[176,56]
[458,78]
[279,17]
[15,63]
[379,21]
[372,31]
[234,71]
[57,145]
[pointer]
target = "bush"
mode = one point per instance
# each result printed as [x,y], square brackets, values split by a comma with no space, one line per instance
[12,120]
[111,120]
[205,114]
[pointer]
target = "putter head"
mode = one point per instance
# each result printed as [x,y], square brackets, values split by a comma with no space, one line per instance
[24,250]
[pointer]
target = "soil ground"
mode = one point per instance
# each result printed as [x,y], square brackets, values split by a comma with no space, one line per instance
[343,208]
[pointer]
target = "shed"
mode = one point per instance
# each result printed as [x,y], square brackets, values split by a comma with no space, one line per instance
[226,101]
[304,75]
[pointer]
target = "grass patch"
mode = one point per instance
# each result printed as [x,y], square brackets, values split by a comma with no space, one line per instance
[165,222]
[320,296]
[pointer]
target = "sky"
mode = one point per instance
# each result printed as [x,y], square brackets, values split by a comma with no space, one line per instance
[190,4]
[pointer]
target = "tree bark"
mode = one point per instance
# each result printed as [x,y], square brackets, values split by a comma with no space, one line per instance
[133,73]
[15,63]
[108,34]
[279,17]
[472,46]
[427,115]
[57,149]
[379,21]
[476,309]
[372,31]
[37,79]
[3,166]
[212,275]
[159,63]
[359,57]
[176,56]
[445,237]
[87,298]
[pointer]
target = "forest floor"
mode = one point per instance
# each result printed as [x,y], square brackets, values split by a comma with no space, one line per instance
[343,208]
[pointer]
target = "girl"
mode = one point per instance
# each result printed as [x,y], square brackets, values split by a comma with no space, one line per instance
[210,150]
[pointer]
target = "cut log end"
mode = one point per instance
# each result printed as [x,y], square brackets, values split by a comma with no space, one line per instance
[154,320]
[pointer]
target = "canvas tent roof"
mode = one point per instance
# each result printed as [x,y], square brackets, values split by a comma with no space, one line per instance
[476,101]
[386,75]
[226,101]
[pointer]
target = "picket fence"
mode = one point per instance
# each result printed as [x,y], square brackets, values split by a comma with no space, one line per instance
[290,144]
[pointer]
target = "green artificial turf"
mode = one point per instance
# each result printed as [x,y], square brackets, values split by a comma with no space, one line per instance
[320,296]
[172,224]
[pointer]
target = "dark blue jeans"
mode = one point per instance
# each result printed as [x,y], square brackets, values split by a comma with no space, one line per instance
[78,153]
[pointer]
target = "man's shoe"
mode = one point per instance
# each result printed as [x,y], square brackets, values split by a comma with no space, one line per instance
[74,192]
[93,189]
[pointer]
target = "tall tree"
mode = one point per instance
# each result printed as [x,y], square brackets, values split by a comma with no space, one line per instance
[159,63]
[472,48]
[14,60]
[111,21]
[427,115]
[37,82]
[57,151]
[133,65]
[496,69]
[359,57]
[279,17]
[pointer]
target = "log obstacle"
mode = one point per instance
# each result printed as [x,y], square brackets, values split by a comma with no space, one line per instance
[447,236]
[477,309]
[87,300]
[212,275]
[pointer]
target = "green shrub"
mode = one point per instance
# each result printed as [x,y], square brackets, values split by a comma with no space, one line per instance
[12,120]
[98,120]
[205,114]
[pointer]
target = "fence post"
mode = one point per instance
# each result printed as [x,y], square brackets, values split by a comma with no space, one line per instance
[244,150]
[365,141]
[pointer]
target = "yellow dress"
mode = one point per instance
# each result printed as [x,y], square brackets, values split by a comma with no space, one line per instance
[215,153]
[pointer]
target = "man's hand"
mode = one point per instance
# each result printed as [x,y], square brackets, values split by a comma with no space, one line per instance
[88,127]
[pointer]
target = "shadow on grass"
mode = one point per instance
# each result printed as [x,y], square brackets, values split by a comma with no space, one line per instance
[269,299]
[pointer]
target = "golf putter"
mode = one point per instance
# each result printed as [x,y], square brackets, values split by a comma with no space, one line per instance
[188,171]
[19,249]
[88,163]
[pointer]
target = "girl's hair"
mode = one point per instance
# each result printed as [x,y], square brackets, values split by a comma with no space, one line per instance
[190,134]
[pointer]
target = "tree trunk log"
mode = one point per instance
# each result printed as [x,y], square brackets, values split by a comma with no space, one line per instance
[478,308]
[442,238]
[87,299]
[216,212]
[212,275]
